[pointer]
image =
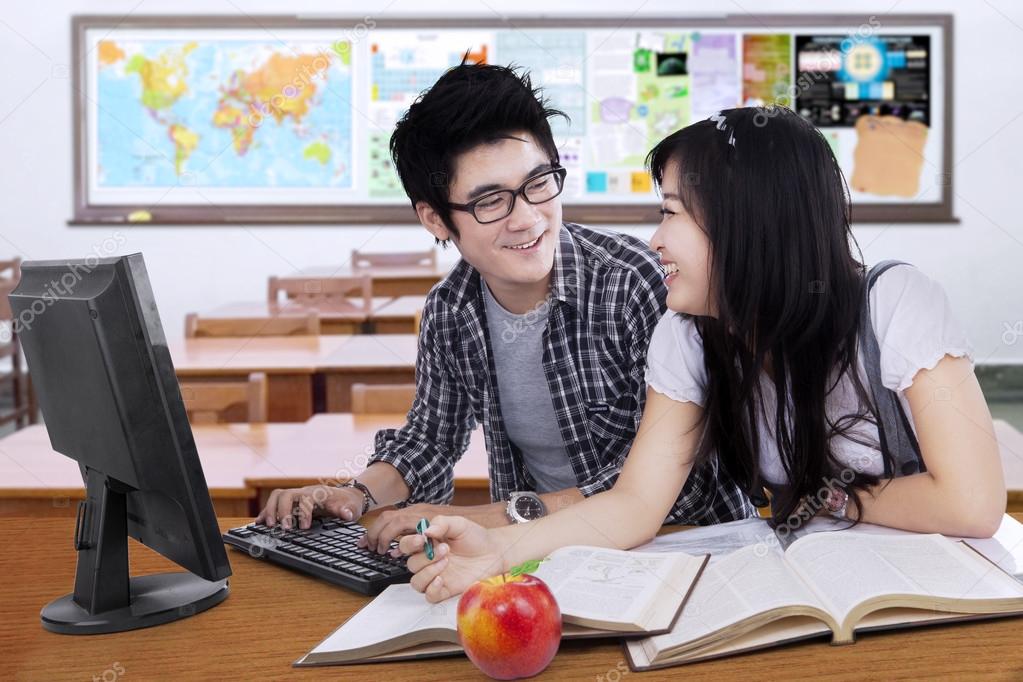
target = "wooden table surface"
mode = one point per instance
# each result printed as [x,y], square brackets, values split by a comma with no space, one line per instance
[387,280]
[242,463]
[273,616]
[304,374]
[391,315]
[293,354]
[37,481]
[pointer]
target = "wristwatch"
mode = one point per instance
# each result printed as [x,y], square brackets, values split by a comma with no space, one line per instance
[837,503]
[525,507]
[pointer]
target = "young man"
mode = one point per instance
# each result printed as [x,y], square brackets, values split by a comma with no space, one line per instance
[539,332]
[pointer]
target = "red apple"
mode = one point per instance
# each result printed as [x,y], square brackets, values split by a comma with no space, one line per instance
[509,626]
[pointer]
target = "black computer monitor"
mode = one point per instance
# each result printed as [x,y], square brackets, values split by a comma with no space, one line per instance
[106,385]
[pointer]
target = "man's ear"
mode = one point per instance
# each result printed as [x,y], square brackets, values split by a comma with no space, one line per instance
[432,221]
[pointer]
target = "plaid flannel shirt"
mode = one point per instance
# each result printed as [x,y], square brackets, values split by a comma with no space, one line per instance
[607,295]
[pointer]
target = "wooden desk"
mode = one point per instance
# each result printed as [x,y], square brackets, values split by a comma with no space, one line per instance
[242,463]
[274,616]
[37,481]
[398,316]
[295,366]
[387,280]
[367,359]
[389,315]
[335,447]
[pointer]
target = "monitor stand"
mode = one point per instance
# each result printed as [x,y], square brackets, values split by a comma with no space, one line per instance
[106,599]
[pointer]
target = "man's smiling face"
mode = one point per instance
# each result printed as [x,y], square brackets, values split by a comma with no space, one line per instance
[515,253]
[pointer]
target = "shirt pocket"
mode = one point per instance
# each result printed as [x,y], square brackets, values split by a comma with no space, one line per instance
[611,357]
[612,421]
[610,403]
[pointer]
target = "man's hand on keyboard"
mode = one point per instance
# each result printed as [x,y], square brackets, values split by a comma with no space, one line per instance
[285,505]
[394,523]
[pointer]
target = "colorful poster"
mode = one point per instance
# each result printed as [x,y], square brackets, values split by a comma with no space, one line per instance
[842,77]
[557,63]
[641,84]
[766,69]
[714,69]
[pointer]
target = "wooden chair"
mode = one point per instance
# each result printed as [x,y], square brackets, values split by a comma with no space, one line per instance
[423,259]
[382,398]
[211,402]
[14,266]
[24,408]
[278,325]
[355,293]
[417,322]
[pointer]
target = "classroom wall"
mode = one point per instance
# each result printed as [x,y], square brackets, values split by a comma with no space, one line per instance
[200,267]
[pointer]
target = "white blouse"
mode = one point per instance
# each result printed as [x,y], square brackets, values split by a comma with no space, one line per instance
[915,329]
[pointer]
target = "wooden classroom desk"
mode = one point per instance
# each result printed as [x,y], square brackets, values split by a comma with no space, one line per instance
[37,481]
[242,463]
[295,364]
[333,448]
[273,616]
[367,359]
[387,280]
[388,316]
[398,316]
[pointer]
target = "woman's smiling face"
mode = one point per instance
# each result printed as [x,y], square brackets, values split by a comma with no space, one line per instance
[685,251]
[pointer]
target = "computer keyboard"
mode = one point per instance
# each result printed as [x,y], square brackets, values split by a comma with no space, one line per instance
[326,550]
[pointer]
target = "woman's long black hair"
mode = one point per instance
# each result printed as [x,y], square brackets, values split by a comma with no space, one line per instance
[765,187]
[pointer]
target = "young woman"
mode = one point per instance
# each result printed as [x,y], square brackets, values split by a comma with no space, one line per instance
[780,355]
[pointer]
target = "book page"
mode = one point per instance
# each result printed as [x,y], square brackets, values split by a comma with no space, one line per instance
[717,540]
[849,568]
[731,590]
[1005,548]
[608,585]
[396,612]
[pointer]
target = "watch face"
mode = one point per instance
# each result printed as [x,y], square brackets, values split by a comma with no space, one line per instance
[528,507]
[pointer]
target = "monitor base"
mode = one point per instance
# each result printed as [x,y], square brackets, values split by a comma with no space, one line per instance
[155,599]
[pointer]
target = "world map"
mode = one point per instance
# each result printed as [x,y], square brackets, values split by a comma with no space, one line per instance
[223,114]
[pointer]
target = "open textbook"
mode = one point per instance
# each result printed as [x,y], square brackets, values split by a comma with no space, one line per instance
[601,593]
[759,595]
[1004,548]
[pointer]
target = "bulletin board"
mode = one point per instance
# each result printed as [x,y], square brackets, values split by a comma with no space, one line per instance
[286,120]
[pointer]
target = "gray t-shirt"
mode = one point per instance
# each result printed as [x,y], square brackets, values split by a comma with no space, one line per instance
[526,404]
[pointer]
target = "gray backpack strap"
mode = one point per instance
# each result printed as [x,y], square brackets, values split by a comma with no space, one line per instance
[896,434]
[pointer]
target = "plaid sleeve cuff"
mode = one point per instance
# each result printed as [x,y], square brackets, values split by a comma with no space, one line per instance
[408,472]
[603,480]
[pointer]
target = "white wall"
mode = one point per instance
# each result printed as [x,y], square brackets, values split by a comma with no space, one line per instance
[200,267]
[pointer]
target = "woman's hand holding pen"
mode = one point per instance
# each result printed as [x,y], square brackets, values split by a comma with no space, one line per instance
[464,552]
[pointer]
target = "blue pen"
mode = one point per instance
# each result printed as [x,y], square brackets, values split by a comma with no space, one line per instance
[427,546]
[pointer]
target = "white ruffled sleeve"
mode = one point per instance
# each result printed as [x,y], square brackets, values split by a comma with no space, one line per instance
[674,364]
[915,326]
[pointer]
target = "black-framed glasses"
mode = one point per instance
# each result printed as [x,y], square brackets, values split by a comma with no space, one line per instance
[497,205]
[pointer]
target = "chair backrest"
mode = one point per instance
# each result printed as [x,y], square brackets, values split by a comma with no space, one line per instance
[278,325]
[337,292]
[13,371]
[6,287]
[11,269]
[417,322]
[424,259]
[210,402]
[382,398]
